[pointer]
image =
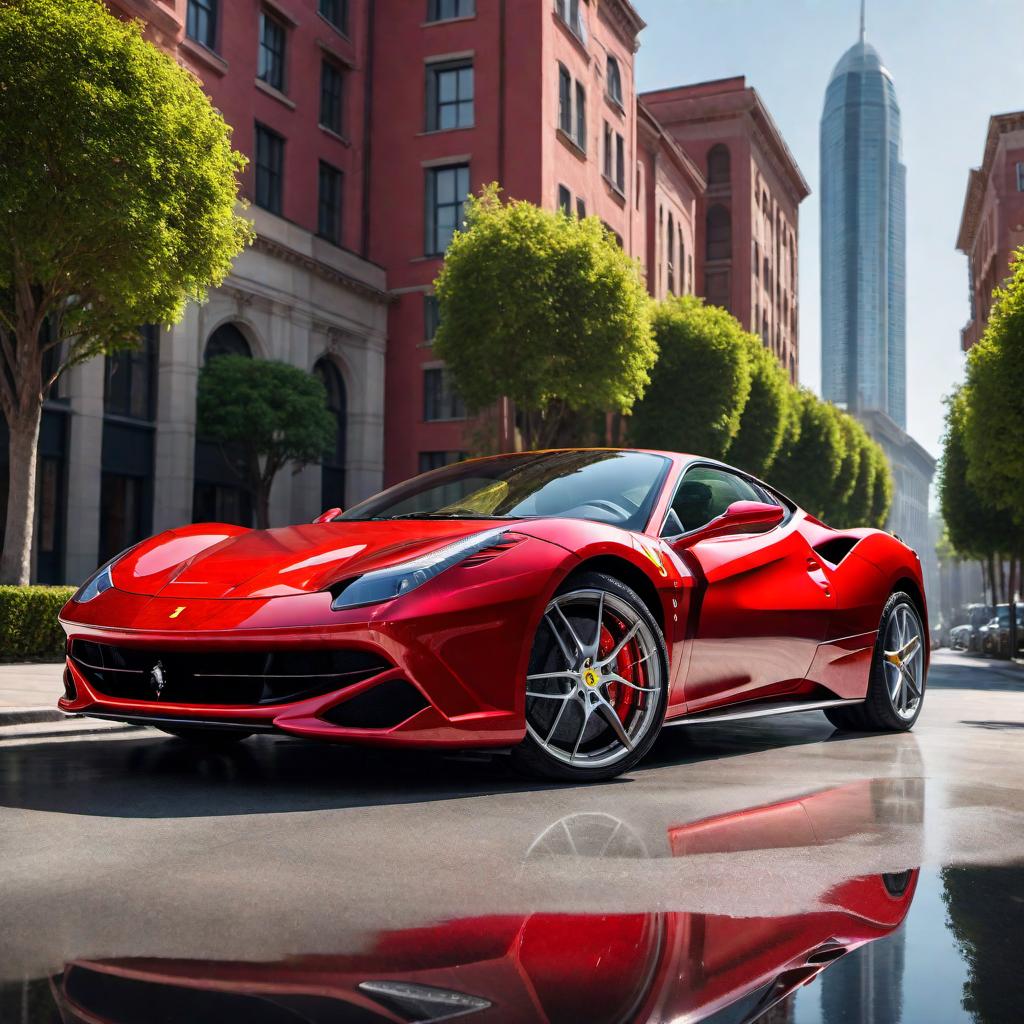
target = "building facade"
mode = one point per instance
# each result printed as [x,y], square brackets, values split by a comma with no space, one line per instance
[748,227]
[992,222]
[863,239]
[366,124]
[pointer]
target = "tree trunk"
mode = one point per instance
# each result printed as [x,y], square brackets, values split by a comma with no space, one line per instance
[992,581]
[16,561]
[261,500]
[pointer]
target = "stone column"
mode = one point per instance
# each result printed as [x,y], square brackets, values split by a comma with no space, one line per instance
[85,384]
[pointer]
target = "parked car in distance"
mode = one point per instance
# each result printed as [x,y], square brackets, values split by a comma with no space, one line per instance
[995,634]
[967,636]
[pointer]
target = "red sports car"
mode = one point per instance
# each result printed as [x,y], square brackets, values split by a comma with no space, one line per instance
[563,604]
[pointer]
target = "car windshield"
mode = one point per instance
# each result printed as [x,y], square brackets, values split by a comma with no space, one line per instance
[604,486]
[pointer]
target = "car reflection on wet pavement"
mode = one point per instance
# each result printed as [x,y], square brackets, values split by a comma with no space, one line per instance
[769,872]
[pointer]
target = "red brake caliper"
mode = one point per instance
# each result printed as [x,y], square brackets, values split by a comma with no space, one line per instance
[623,698]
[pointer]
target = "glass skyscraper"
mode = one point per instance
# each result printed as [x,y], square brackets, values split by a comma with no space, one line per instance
[863,238]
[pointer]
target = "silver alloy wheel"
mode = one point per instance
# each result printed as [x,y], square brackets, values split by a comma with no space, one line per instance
[593,689]
[903,658]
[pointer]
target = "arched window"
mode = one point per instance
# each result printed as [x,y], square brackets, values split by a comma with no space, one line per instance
[719,165]
[332,480]
[719,233]
[614,80]
[218,493]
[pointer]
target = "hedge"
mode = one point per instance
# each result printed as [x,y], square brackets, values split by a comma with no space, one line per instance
[29,629]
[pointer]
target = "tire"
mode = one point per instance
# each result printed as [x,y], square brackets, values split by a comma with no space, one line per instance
[595,699]
[205,736]
[890,705]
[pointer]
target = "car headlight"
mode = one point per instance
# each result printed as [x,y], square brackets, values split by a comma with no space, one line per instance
[100,580]
[396,580]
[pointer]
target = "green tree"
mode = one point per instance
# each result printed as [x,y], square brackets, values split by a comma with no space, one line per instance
[263,414]
[544,309]
[845,483]
[765,417]
[808,468]
[700,384]
[856,509]
[118,197]
[994,414]
[881,488]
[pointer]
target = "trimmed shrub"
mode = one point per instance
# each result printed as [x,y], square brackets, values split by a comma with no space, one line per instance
[29,629]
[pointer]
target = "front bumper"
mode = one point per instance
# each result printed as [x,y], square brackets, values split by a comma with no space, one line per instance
[461,649]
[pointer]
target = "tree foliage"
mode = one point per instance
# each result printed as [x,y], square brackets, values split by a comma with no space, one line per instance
[700,383]
[263,414]
[118,194]
[544,309]
[807,471]
[767,413]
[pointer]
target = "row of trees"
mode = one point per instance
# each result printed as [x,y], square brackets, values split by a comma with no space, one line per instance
[547,310]
[982,483]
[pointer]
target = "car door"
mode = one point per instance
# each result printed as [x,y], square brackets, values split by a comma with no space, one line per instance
[762,600]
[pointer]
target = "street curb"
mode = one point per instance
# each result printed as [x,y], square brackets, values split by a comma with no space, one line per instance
[26,716]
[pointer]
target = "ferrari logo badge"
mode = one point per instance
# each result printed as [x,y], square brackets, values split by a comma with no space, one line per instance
[176,612]
[590,677]
[158,679]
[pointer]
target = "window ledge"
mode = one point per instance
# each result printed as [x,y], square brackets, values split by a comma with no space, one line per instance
[274,8]
[338,58]
[569,142]
[427,258]
[334,135]
[618,194]
[274,93]
[447,419]
[335,28]
[204,55]
[576,41]
[615,104]
[446,131]
[447,21]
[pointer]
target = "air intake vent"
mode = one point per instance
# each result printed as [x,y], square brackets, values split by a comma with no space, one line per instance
[837,549]
[381,707]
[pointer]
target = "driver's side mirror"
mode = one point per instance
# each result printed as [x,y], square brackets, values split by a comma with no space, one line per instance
[326,517]
[739,517]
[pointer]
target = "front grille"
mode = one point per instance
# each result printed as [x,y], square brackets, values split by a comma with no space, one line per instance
[243,678]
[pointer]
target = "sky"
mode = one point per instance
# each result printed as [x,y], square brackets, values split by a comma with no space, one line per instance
[954,63]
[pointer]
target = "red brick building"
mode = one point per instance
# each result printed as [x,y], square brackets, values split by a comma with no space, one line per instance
[992,222]
[366,123]
[749,225]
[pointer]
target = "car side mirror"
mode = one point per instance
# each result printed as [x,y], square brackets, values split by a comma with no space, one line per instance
[326,517]
[739,517]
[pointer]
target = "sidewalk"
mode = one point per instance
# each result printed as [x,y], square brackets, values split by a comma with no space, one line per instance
[29,692]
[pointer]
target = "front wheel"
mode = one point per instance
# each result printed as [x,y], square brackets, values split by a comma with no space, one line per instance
[596,685]
[898,674]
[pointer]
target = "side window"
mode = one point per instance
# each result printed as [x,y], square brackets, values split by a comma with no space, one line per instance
[704,494]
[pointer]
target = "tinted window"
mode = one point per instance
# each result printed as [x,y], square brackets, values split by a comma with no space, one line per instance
[603,486]
[705,493]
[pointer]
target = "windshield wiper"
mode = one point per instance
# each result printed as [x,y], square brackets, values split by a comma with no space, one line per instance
[467,514]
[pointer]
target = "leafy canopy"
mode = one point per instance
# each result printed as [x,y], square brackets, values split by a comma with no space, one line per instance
[544,309]
[700,384]
[117,184]
[764,418]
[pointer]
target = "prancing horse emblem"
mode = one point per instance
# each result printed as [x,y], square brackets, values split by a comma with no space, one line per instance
[158,678]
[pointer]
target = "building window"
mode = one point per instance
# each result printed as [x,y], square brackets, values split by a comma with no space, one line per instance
[336,12]
[449,96]
[332,92]
[670,238]
[438,460]
[447,188]
[718,165]
[564,200]
[445,10]
[269,168]
[201,22]
[130,386]
[607,150]
[440,399]
[620,163]
[719,233]
[1020,176]
[571,13]
[614,83]
[271,55]
[431,317]
[581,208]
[581,116]
[328,221]
[564,100]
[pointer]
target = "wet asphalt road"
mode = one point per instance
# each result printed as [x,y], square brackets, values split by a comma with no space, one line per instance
[137,846]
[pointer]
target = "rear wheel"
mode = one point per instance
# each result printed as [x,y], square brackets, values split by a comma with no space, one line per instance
[597,683]
[898,674]
[204,736]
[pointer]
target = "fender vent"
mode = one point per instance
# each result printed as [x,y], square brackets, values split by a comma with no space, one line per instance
[837,549]
[381,707]
[503,543]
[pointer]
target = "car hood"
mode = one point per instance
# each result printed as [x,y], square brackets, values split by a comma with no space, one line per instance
[215,560]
